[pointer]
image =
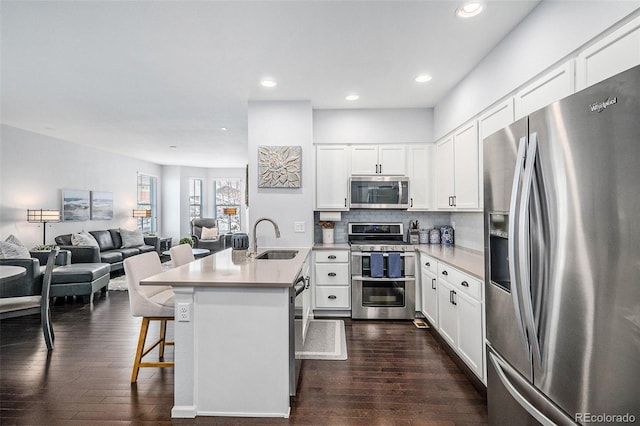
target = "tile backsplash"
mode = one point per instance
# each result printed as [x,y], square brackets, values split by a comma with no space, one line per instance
[425,220]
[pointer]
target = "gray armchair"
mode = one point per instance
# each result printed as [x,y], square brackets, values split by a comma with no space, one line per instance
[196,232]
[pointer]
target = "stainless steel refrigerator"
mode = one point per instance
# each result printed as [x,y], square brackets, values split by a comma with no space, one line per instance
[562,260]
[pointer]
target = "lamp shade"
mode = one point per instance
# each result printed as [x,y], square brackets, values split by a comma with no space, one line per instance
[42,215]
[141,213]
[230,210]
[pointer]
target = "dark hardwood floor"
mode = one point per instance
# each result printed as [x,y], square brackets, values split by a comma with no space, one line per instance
[396,374]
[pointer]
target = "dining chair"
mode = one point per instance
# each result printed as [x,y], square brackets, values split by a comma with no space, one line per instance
[11,307]
[152,303]
[181,255]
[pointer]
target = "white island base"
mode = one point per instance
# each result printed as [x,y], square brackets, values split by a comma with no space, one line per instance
[232,357]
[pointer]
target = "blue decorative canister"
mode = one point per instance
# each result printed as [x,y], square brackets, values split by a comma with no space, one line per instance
[446,234]
[434,236]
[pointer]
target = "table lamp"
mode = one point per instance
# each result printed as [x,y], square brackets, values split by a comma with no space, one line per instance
[141,214]
[43,216]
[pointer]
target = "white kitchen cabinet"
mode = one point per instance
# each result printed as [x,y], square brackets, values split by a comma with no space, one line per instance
[457,169]
[429,294]
[552,86]
[332,280]
[378,160]
[460,315]
[611,55]
[332,175]
[496,118]
[419,172]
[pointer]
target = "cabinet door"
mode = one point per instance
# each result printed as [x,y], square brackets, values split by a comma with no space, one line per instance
[392,160]
[331,177]
[430,297]
[447,313]
[444,173]
[465,142]
[470,332]
[364,159]
[552,86]
[419,172]
[615,53]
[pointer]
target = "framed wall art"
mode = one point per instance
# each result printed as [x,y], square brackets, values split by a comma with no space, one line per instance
[279,166]
[101,205]
[75,204]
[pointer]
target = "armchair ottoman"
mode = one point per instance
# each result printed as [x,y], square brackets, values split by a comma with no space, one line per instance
[80,279]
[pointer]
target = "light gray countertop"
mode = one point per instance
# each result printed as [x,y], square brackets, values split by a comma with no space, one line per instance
[334,246]
[229,268]
[467,260]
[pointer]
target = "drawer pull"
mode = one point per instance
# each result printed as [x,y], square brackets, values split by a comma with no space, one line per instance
[464,284]
[427,264]
[445,273]
[332,296]
[433,283]
[333,256]
[332,274]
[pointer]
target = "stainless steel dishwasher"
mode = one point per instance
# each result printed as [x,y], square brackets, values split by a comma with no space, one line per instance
[295,330]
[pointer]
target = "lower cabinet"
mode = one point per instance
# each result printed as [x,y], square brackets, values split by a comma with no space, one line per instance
[332,281]
[452,301]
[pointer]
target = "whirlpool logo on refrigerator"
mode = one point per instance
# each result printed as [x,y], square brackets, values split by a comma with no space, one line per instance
[601,106]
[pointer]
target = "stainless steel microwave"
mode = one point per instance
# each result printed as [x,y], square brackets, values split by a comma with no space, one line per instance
[379,192]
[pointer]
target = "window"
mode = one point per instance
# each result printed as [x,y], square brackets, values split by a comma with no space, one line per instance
[147,200]
[195,198]
[227,196]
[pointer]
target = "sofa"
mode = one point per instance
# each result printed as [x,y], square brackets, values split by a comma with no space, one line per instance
[31,283]
[109,248]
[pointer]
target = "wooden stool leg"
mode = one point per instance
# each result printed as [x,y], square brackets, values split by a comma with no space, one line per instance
[144,327]
[163,332]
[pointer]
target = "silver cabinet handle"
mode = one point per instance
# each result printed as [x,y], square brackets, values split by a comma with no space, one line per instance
[380,168]
[433,283]
[332,296]
[345,202]
[453,298]
[332,274]
[464,284]
[454,200]
[376,168]
[411,202]
[331,257]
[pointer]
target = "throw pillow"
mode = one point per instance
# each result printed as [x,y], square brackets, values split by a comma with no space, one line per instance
[209,233]
[12,248]
[131,238]
[83,239]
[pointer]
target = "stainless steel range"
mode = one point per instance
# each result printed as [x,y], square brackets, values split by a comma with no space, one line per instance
[382,272]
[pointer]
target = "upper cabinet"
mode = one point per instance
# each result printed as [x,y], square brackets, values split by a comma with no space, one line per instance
[378,160]
[419,172]
[332,175]
[549,88]
[611,55]
[457,169]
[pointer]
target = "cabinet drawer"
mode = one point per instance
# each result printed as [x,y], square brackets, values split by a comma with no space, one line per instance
[428,263]
[334,256]
[332,274]
[333,297]
[460,281]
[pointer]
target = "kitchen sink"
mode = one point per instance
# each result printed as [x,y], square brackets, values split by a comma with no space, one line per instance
[277,254]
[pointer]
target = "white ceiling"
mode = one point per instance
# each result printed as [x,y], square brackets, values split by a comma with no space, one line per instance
[135,77]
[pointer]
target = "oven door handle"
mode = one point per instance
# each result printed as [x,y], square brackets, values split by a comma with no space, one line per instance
[385,254]
[383,279]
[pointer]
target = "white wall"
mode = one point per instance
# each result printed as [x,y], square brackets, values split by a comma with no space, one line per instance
[401,125]
[552,31]
[171,211]
[35,168]
[281,123]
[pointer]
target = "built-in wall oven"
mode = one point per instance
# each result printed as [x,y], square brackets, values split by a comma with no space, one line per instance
[382,272]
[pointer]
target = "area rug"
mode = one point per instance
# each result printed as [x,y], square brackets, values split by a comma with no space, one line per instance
[120,283]
[326,339]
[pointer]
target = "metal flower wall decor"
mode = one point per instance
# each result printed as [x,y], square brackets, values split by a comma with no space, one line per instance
[279,166]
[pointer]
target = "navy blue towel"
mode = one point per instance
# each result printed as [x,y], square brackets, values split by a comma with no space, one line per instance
[395,265]
[377,265]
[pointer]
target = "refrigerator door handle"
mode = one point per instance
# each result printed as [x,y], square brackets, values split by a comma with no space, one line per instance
[503,371]
[524,247]
[514,220]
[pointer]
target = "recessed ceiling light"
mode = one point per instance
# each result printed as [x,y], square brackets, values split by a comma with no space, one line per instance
[423,78]
[268,83]
[352,97]
[470,9]
[224,129]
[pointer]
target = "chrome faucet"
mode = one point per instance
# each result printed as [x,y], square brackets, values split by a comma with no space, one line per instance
[254,251]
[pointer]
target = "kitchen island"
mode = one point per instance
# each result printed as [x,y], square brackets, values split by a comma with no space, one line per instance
[232,334]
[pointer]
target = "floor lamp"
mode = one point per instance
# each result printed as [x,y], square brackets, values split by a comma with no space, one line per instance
[230,211]
[43,216]
[141,214]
